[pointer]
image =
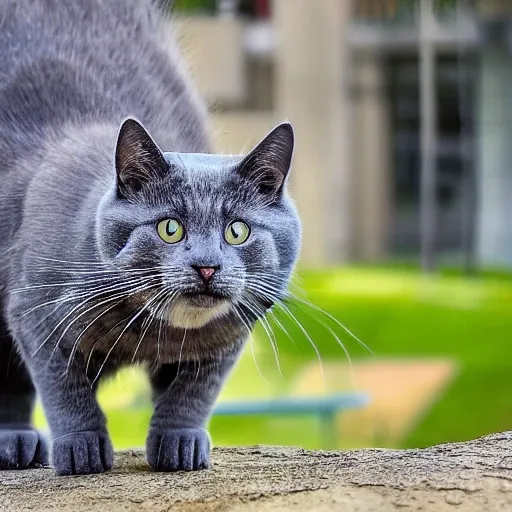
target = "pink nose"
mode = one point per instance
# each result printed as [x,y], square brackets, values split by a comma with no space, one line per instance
[206,273]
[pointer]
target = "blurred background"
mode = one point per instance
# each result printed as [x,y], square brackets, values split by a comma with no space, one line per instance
[403,178]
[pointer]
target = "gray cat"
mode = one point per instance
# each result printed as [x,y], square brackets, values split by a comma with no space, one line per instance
[114,252]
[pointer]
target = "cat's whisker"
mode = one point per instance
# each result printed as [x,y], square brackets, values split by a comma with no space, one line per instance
[335,320]
[59,301]
[92,276]
[270,294]
[146,324]
[338,341]
[72,297]
[121,296]
[267,277]
[68,326]
[119,272]
[180,355]
[160,313]
[264,322]
[148,321]
[127,291]
[273,342]
[267,293]
[270,274]
[253,308]
[263,287]
[82,333]
[102,269]
[281,326]
[56,260]
[105,336]
[274,316]
[257,271]
[82,283]
[285,308]
[245,323]
[97,266]
[133,319]
[45,318]
[163,308]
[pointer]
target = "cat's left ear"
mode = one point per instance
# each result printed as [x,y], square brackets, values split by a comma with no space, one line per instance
[268,164]
[138,159]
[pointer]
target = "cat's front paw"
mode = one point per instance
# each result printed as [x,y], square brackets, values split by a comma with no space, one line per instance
[20,449]
[82,453]
[176,449]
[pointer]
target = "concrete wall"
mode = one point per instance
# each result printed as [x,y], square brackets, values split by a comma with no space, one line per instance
[214,51]
[495,166]
[310,66]
[371,144]
[238,132]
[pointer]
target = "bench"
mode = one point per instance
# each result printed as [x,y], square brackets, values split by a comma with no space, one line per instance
[324,407]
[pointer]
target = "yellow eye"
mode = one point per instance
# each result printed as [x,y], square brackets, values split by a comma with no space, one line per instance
[237,233]
[170,231]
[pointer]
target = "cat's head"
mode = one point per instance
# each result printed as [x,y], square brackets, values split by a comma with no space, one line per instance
[211,234]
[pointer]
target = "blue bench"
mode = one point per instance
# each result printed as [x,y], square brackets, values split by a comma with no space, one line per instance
[324,407]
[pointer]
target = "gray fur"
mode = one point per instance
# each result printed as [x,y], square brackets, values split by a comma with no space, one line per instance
[87,284]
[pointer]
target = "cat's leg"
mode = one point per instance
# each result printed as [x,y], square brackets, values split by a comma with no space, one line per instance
[80,440]
[184,395]
[20,445]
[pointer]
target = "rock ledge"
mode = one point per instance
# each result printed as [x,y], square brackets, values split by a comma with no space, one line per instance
[473,476]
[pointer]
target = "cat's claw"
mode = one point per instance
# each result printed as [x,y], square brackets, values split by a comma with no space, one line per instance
[82,453]
[20,449]
[176,449]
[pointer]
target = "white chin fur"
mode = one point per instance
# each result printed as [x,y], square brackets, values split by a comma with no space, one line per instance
[185,316]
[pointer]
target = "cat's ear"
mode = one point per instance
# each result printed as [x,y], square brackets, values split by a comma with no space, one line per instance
[267,165]
[138,159]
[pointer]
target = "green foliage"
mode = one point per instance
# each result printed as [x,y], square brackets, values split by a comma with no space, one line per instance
[198,6]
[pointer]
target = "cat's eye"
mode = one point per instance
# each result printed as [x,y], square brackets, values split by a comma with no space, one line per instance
[170,231]
[237,233]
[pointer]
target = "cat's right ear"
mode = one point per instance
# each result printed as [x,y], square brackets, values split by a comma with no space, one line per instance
[138,159]
[267,165]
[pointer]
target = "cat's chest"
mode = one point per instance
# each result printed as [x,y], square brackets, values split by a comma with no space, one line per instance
[126,337]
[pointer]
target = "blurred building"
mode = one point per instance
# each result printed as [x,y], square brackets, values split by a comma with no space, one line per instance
[347,74]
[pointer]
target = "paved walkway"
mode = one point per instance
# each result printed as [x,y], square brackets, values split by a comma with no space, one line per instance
[402,390]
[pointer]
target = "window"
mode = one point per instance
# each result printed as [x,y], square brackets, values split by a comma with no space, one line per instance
[454,167]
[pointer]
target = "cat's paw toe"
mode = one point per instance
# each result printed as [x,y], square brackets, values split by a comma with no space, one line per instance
[82,453]
[176,449]
[21,449]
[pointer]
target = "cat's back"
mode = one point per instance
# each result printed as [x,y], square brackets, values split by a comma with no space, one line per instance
[80,61]
[80,33]
[76,30]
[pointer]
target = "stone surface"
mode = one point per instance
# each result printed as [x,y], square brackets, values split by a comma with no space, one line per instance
[474,476]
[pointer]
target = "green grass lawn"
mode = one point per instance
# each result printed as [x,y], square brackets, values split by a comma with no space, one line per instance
[397,313]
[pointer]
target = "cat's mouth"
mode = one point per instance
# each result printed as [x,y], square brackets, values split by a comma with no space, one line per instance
[195,309]
[204,299]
